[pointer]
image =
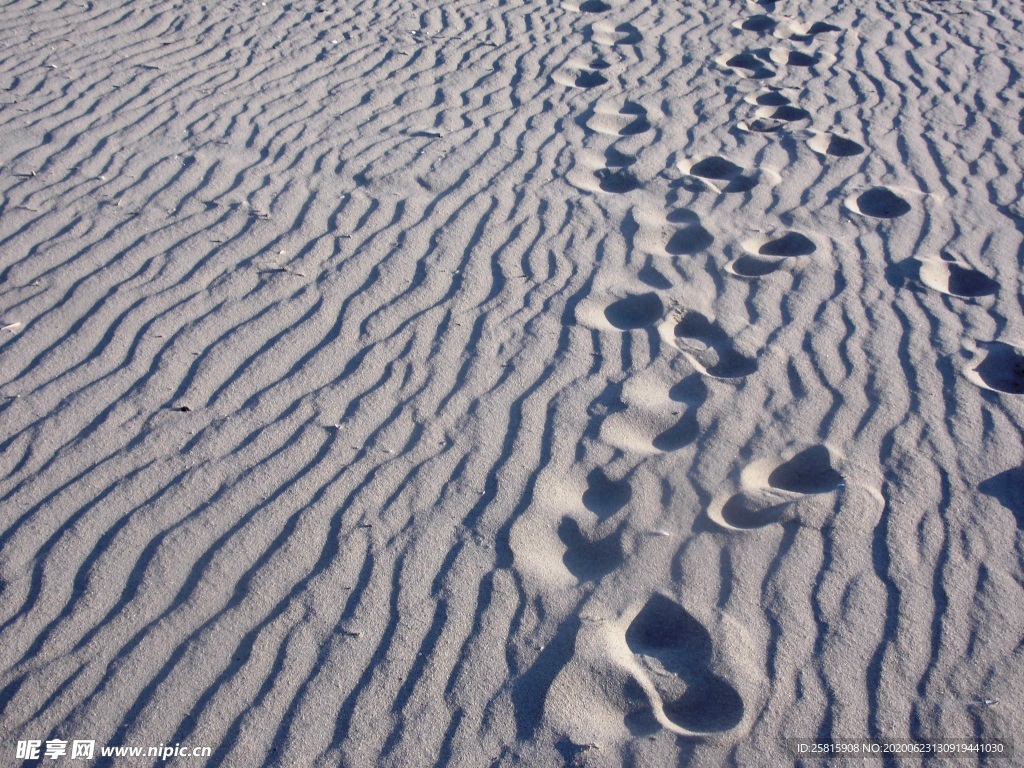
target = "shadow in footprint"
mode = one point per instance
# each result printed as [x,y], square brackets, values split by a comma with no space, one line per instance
[751,266]
[749,512]
[801,59]
[716,168]
[677,650]
[817,28]
[650,275]
[639,716]
[720,169]
[590,79]
[594,6]
[810,471]
[637,311]
[834,146]
[623,34]
[587,559]
[1008,489]
[790,244]
[689,241]
[617,182]
[613,158]
[629,120]
[882,203]
[760,24]
[712,348]
[604,496]
[772,99]
[680,435]
[955,280]
[752,66]
[789,114]
[1002,369]
[640,124]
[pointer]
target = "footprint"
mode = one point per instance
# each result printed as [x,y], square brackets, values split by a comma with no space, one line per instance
[722,175]
[579,78]
[831,145]
[613,158]
[604,496]
[769,489]
[608,34]
[761,24]
[590,559]
[785,113]
[810,471]
[676,652]
[746,64]
[789,245]
[1001,369]
[637,311]
[953,279]
[682,434]
[771,253]
[616,181]
[879,203]
[1008,489]
[647,418]
[790,58]
[628,120]
[753,267]
[761,125]
[607,172]
[587,6]
[710,349]
[804,33]
[770,98]
[689,241]
[771,119]
[749,511]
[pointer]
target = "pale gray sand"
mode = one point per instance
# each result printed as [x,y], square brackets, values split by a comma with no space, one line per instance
[595,383]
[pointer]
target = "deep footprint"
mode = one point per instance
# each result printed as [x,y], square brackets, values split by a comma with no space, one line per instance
[810,471]
[749,512]
[1008,489]
[1002,369]
[718,169]
[689,241]
[712,348]
[804,34]
[579,78]
[617,182]
[682,434]
[748,65]
[789,245]
[760,24]
[629,120]
[835,146]
[633,312]
[677,650]
[751,266]
[587,559]
[604,496]
[953,279]
[881,203]
[604,33]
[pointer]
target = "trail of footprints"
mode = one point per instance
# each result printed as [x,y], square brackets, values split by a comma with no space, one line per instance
[673,649]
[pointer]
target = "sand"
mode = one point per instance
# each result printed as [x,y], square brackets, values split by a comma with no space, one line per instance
[593,383]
